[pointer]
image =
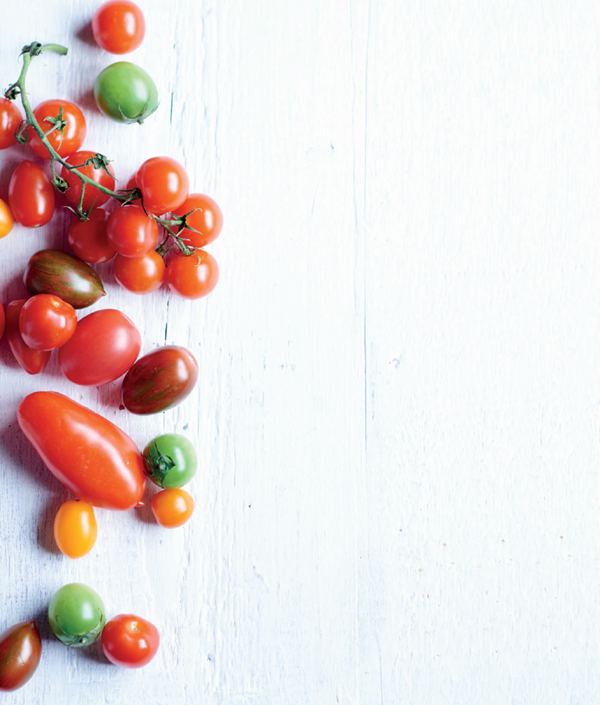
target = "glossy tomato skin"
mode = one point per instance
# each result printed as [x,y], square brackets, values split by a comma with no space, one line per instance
[2,320]
[164,184]
[104,346]
[131,232]
[125,92]
[119,26]
[193,276]
[6,219]
[59,273]
[172,508]
[75,528]
[107,470]
[10,119]
[76,614]
[171,460]
[47,322]
[206,219]
[92,196]
[160,380]
[32,361]
[88,238]
[20,653]
[31,195]
[140,275]
[72,136]
[130,641]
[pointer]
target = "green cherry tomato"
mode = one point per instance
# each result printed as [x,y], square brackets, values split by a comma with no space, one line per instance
[125,92]
[170,460]
[76,614]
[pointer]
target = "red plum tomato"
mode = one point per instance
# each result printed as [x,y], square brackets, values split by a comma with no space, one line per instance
[46,322]
[193,276]
[130,641]
[140,275]
[73,133]
[10,119]
[31,195]
[164,184]
[205,217]
[88,238]
[131,232]
[92,197]
[31,360]
[118,26]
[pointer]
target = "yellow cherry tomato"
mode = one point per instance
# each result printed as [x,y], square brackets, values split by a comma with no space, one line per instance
[6,218]
[172,507]
[75,528]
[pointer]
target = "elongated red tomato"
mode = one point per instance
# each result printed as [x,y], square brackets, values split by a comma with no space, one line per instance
[31,195]
[32,361]
[10,119]
[91,456]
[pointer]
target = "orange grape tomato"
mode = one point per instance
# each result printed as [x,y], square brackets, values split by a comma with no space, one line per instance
[75,528]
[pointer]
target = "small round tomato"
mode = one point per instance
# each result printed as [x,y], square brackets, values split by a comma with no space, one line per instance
[204,216]
[76,614]
[31,195]
[75,528]
[140,275]
[88,239]
[119,26]
[47,322]
[193,276]
[170,460]
[6,219]
[131,232]
[10,119]
[32,361]
[92,197]
[125,93]
[164,184]
[104,346]
[20,653]
[130,641]
[70,132]
[172,508]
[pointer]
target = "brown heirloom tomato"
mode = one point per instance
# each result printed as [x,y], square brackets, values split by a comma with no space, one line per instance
[160,380]
[32,361]
[31,195]
[20,652]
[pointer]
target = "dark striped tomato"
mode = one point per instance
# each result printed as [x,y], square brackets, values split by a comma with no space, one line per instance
[20,652]
[160,380]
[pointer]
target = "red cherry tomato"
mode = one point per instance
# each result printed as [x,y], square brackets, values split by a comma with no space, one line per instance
[10,119]
[92,196]
[193,276]
[140,275]
[47,322]
[131,232]
[32,361]
[129,641]
[206,219]
[73,133]
[172,507]
[88,238]
[118,26]
[31,195]
[164,184]
[104,346]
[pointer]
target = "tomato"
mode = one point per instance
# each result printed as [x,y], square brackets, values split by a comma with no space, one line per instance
[31,195]
[2,320]
[164,184]
[65,142]
[91,197]
[46,322]
[193,276]
[170,460]
[75,528]
[140,275]
[104,346]
[32,361]
[206,219]
[131,232]
[65,276]
[76,614]
[88,238]
[130,641]
[6,219]
[91,456]
[172,508]
[119,26]
[10,119]
[20,653]
[125,93]
[160,380]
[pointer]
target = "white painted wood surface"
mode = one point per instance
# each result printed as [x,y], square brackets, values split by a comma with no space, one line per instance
[398,416]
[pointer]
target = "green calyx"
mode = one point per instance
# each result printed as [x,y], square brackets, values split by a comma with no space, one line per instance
[158,465]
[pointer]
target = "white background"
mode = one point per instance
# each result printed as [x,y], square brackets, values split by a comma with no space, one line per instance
[398,411]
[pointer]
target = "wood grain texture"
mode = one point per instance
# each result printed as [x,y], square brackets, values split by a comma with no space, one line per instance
[398,412]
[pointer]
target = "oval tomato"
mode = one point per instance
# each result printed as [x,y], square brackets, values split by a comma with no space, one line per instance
[131,232]
[75,528]
[140,275]
[119,26]
[20,653]
[104,346]
[172,508]
[91,456]
[92,197]
[204,216]
[10,119]
[59,273]
[63,114]
[193,276]
[160,380]
[31,195]
[164,184]
[6,219]
[76,614]
[125,92]
[32,361]
[47,322]
[88,238]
